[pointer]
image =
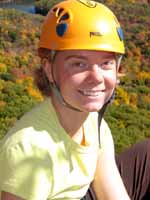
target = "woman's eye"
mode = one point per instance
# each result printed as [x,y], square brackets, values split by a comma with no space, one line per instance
[79,65]
[108,64]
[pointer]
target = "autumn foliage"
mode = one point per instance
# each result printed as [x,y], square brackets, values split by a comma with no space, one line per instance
[128,116]
[18,43]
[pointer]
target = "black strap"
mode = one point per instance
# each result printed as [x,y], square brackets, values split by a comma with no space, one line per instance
[101,114]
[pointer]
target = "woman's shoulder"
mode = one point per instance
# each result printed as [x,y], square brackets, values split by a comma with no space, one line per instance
[29,128]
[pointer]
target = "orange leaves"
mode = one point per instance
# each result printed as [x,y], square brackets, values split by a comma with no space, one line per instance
[35,93]
[32,90]
[3,67]
[28,83]
[123,97]
[110,1]
[133,100]
[146,98]
[2,104]
[143,75]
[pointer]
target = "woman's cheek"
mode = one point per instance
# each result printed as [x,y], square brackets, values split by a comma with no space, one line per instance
[110,80]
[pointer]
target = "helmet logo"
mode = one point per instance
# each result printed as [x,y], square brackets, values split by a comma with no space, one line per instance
[88,3]
[61,29]
[92,33]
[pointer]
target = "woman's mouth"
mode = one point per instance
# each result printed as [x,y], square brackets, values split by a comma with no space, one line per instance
[91,93]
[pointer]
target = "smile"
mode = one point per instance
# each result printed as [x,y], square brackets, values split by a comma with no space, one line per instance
[91,93]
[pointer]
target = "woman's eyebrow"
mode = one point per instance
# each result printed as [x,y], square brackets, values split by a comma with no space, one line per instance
[76,56]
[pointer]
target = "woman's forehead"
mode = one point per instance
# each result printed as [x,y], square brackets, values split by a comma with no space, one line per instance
[85,53]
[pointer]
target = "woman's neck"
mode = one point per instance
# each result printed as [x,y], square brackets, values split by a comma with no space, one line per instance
[71,120]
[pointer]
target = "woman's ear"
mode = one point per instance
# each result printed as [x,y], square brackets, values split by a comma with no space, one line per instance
[47,68]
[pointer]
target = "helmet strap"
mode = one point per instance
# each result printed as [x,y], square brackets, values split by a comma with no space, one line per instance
[118,58]
[60,98]
[55,88]
[101,114]
[53,54]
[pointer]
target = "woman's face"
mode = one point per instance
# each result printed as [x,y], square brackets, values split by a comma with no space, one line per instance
[86,78]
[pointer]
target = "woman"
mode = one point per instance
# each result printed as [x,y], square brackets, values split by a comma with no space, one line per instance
[63,146]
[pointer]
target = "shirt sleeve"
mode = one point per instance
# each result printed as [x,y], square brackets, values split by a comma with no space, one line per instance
[25,171]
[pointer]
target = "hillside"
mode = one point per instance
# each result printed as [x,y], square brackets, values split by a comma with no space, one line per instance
[42,6]
[128,116]
[19,36]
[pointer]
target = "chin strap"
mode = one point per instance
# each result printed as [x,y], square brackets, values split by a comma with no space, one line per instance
[101,114]
[55,87]
[60,98]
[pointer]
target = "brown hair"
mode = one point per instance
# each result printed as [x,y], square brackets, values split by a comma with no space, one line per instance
[41,79]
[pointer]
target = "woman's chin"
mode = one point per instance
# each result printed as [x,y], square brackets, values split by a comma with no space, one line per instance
[92,108]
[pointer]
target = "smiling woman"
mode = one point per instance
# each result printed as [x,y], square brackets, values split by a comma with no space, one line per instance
[63,147]
[91,75]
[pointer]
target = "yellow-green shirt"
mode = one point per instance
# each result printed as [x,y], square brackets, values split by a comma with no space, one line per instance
[39,160]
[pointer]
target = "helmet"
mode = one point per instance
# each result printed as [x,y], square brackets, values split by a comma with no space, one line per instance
[83,25]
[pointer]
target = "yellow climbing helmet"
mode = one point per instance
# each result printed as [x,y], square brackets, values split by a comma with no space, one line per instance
[83,25]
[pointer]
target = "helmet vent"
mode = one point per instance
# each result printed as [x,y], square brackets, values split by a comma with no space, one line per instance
[60,11]
[55,9]
[64,17]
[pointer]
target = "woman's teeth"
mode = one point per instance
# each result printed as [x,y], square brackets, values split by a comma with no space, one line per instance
[91,93]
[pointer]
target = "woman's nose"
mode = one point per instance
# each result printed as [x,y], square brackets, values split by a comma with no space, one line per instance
[96,73]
